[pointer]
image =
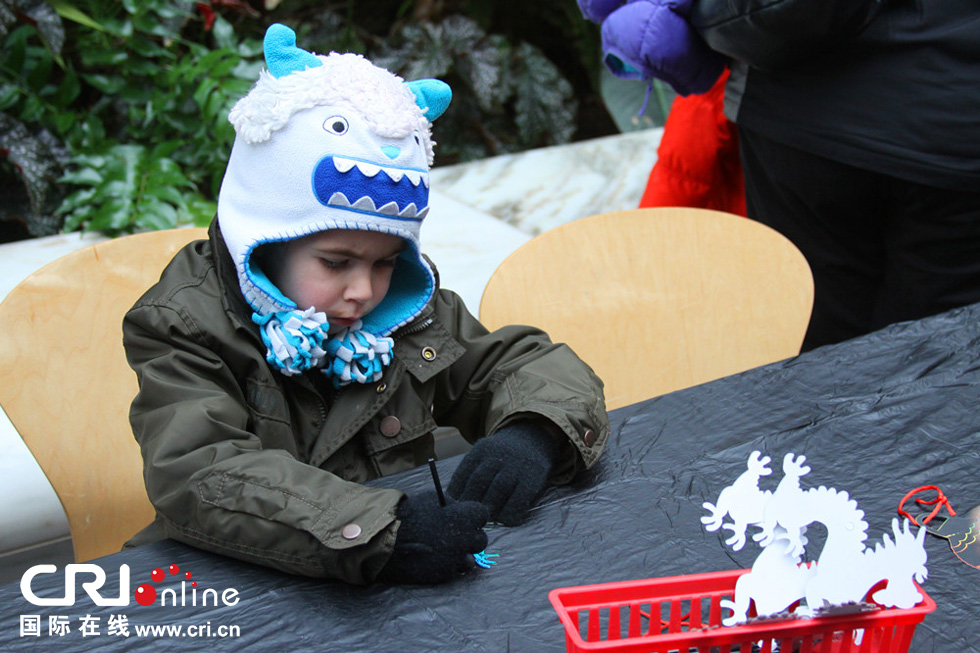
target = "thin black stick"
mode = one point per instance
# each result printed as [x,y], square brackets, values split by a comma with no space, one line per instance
[435,481]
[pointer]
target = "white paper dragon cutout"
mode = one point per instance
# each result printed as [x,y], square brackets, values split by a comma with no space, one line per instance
[845,570]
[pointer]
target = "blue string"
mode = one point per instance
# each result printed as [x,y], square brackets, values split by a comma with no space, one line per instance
[483,559]
[646,100]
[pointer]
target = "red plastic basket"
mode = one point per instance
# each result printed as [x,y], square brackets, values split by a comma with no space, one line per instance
[683,614]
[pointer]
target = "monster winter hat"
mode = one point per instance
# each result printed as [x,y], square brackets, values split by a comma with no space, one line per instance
[329,142]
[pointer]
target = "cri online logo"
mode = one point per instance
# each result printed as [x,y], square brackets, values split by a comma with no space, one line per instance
[145,594]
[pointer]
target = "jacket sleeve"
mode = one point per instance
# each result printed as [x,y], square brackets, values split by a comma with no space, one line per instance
[775,34]
[517,371]
[215,485]
[647,39]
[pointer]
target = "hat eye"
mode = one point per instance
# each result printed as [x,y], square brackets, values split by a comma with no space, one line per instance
[336,125]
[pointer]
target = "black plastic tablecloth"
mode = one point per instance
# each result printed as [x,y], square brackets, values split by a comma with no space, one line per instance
[876,416]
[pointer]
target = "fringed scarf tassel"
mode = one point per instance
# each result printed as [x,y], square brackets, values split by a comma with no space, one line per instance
[297,341]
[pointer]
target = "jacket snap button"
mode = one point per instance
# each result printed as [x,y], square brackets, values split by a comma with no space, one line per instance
[428,353]
[589,438]
[350,532]
[390,426]
[382,387]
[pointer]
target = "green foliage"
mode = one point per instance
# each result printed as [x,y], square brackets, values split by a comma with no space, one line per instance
[113,113]
[30,157]
[140,107]
[37,159]
[506,98]
[129,187]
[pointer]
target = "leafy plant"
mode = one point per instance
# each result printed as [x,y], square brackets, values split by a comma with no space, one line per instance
[508,93]
[31,156]
[141,108]
[129,187]
[37,159]
[113,113]
[506,98]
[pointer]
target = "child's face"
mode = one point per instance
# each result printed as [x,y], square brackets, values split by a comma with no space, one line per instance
[344,274]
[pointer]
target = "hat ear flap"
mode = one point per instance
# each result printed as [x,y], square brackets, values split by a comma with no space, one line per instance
[432,96]
[281,54]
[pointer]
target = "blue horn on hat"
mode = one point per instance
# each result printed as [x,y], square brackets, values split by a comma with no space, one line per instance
[281,54]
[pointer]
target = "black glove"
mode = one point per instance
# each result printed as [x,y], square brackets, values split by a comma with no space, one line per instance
[434,542]
[507,471]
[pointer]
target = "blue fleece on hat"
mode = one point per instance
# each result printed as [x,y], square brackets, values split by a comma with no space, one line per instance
[409,292]
[432,95]
[281,54]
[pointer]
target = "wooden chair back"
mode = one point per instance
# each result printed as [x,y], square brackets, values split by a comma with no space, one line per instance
[658,299]
[67,387]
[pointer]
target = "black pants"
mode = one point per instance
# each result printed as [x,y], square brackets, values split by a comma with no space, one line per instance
[881,249]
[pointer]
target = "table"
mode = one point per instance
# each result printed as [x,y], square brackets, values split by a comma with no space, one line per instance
[875,416]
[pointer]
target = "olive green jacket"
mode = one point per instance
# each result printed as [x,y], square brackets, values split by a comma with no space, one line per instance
[242,460]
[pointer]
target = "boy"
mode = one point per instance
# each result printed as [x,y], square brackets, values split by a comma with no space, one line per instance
[305,348]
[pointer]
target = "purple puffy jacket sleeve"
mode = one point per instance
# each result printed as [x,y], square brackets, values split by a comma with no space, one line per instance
[597,10]
[646,39]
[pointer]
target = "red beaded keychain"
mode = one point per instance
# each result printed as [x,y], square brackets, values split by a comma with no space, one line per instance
[962,532]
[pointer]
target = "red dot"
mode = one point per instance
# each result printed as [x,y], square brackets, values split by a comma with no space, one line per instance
[194,584]
[146,594]
[156,575]
[174,569]
[187,574]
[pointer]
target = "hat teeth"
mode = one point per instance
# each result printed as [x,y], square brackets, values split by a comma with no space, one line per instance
[409,211]
[391,208]
[368,169]
[414,176]
[421,214]
[343,165]
[364,204]
[395,174]
[425,180]
[339,199]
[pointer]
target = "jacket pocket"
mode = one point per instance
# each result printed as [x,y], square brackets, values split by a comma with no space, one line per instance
[265,400]
[399,436]
[406,417]
[269,414]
